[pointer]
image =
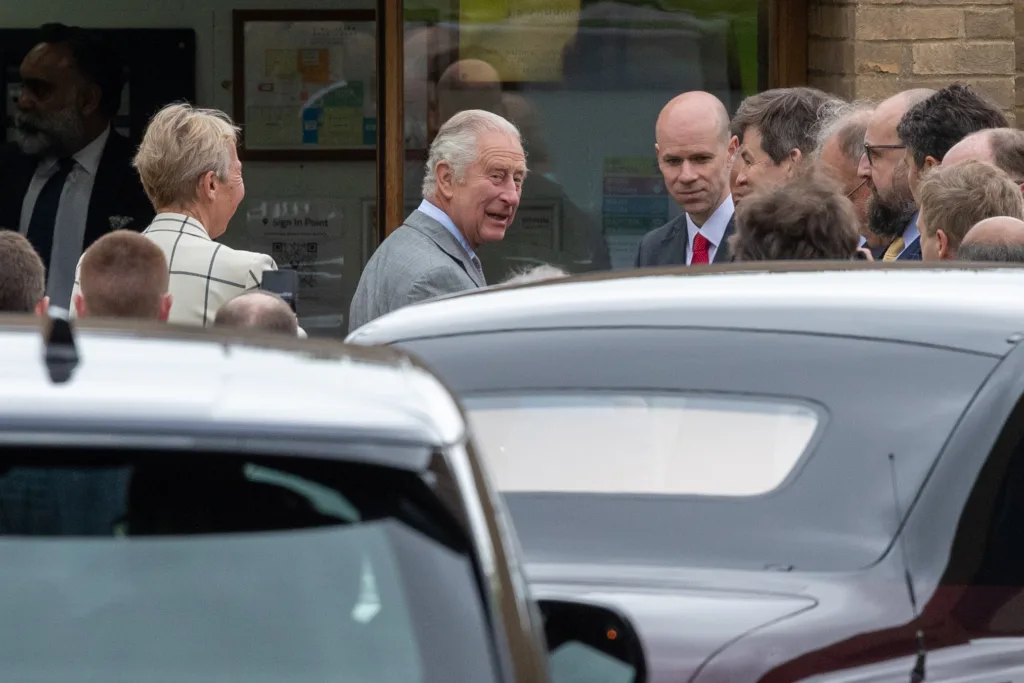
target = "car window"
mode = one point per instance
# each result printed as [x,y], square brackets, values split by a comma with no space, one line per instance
[202,567]
[640,443]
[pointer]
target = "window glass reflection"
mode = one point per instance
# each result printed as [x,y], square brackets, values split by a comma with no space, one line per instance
[584,81]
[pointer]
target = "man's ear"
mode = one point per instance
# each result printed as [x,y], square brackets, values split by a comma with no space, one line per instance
[165,306]
[795,156]
[734,144]
[208,185]
[79,304]
[445,179]
[90,99]
[657,151]
[929,163]
[43,306]
[943,245]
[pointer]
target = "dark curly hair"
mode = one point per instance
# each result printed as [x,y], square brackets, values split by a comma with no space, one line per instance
[931,127]
[803,218]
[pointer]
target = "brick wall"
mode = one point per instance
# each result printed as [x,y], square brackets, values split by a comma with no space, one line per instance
[870,49]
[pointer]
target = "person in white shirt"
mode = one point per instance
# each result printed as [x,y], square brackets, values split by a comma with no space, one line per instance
[191,172]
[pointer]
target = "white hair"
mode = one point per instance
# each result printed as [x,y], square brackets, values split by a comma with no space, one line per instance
[456,143]
[536,274]
[846,119]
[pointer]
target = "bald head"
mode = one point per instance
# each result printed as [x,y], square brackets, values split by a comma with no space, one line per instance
[469,73]
[1001,147]
[693,110]
[890,111]
[998,239]
[695,152]
[258,310]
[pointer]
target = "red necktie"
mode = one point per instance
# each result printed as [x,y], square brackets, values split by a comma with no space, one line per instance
[700,249]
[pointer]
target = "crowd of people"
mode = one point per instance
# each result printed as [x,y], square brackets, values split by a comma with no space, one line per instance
[101,228]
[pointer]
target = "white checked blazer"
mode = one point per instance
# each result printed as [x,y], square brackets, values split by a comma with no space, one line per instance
[204,275]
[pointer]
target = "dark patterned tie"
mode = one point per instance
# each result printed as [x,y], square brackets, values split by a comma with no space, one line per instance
[44,215]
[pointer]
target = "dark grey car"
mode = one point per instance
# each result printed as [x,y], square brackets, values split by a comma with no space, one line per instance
[188,506]
[765,473]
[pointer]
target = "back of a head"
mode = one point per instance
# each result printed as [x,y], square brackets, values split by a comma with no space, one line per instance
[536,274]
[456,143]
[803,218]
[955,198]
[1008,152]
[180,145]
[787,119]
[258,310]
[22,274]
[932,126]
[96,60]
[999,239]
[124,275]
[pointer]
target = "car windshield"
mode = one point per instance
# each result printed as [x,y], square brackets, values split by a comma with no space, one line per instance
[632,475]
[199,568]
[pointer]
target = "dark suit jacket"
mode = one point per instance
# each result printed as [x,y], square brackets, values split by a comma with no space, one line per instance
[117,192]
[666,246]
[912,252]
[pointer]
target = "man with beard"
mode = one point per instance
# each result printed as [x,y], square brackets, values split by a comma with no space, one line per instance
[68,180]
[695,152]
[892,213]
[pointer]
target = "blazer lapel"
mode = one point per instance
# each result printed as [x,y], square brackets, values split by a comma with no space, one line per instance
[447,242]
[723,254]
[673,246]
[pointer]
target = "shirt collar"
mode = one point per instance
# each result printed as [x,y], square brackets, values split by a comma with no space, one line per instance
[177,222]
[714,227]
[443,218]
[911,233]
[89,156]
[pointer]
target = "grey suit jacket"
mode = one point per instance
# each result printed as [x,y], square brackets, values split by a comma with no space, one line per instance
[418,261]
[667,245]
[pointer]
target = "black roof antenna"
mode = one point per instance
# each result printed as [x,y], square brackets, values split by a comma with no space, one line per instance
[60,353]
[917,674]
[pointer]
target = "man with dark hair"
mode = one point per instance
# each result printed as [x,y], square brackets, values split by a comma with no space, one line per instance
[931,127]
[1001,147]
[258,310]
[123,275]
[892,213]
[22,276]
[802,218]
[1000,238]
[67,179]
[776,129]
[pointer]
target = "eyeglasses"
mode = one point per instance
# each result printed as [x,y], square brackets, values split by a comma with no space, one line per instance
[871,151]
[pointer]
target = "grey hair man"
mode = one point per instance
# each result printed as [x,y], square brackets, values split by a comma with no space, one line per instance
[536,274]
[259,310]
[1000,239]
[840,145]
[1001,147]
[22,276]
[471,190]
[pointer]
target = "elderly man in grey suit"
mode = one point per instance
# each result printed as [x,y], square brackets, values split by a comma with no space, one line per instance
[471,190]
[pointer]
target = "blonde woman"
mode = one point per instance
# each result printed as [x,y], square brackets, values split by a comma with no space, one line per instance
[190,170]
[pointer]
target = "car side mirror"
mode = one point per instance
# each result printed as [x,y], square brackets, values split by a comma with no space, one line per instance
[590,644]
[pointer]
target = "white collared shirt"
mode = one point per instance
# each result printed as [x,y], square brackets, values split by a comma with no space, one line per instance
[713,229]
[72,215]
[449,225]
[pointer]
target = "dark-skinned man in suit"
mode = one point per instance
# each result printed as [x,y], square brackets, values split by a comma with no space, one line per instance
[695,152]
[67,179]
